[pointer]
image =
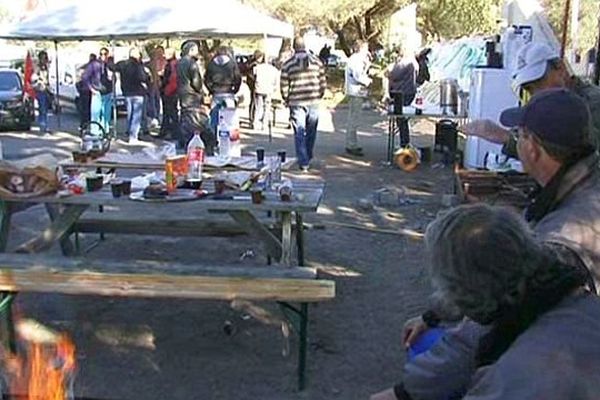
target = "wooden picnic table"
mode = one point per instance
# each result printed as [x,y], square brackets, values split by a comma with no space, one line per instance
[245,163]
[285,282]
[66,212]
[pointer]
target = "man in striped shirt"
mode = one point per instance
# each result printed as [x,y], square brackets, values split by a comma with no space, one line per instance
[302,87]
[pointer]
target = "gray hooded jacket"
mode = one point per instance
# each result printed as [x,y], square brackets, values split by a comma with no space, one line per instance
[447,369]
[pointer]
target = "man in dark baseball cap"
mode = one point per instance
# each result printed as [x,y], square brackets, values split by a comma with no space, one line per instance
[554,131]
[555,146]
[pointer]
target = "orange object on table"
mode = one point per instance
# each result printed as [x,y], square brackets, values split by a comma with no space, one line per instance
[176,169]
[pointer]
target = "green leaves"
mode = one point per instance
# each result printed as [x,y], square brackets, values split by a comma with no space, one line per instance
[448,19]
[589,11]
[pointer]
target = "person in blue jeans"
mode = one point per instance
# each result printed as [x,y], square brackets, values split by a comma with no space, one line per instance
[41,83]
[134,84]
[97,79]
[106,79]
[135,110]
[304,121]
[302,88]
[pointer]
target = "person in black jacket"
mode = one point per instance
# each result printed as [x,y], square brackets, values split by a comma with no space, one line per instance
[423,62]
[134,85]
[223,78]
[189,90]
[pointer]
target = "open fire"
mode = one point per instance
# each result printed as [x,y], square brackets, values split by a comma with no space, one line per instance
[44,366]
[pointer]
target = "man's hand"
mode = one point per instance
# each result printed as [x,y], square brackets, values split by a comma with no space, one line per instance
[486,129]
[385,395]
[413,328]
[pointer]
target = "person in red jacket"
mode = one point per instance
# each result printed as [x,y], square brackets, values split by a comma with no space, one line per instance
[170,121]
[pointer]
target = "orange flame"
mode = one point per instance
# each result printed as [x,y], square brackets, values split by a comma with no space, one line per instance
[46,372]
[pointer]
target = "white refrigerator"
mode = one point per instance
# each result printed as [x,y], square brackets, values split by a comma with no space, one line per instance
[490,93]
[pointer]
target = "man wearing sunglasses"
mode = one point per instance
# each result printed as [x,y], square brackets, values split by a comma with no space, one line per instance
[99,81]
[539,67]
[556,149]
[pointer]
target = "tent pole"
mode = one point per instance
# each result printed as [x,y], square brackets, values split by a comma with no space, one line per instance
[265,45]
[565,29]
[57,84]
[114,90]
[596,77]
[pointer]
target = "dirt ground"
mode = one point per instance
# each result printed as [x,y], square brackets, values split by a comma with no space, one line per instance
[178,349]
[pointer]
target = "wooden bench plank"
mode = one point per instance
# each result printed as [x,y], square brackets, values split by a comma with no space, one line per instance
[29,273]
[10,261]
[159,228]
[167,286]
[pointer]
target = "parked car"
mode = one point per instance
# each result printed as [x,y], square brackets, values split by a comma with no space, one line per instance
[336,61]
[16,107]
[243,62]
[69,73]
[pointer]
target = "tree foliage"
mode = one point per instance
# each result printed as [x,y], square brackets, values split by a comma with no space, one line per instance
[349,19]
[367,19]
[448,19]
[589,13]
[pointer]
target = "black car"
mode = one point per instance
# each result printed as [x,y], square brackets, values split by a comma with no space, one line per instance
[16,107]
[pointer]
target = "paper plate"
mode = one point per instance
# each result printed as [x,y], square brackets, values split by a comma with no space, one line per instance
[179,195]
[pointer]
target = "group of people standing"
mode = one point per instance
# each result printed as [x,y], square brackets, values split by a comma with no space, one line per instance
[181,89]
[142,85]
[403,76]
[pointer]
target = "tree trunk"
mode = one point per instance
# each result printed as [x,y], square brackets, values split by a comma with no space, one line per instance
[346,47]
[358,27]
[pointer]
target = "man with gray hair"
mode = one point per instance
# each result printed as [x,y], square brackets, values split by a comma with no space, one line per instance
[541,327]
[556,149]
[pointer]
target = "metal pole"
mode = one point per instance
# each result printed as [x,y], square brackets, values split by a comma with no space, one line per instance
[574,29]
[57,84]
[303,346]
[565,28]
[597,61]
[115,113]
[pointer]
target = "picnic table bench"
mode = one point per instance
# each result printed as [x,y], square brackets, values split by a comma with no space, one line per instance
[285,282]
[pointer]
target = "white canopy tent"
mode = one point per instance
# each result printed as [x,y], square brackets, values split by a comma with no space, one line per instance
[145,19]
[142,19]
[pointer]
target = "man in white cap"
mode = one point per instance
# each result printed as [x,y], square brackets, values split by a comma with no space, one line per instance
[539,67]
[556,149]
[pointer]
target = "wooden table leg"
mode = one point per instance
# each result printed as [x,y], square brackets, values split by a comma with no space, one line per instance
[300,238]
[286,239]
[255,228]
[59,229]
[5,217]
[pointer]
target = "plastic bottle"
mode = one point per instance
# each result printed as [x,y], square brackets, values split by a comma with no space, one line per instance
[419,102]
[224,139]
[195,158]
